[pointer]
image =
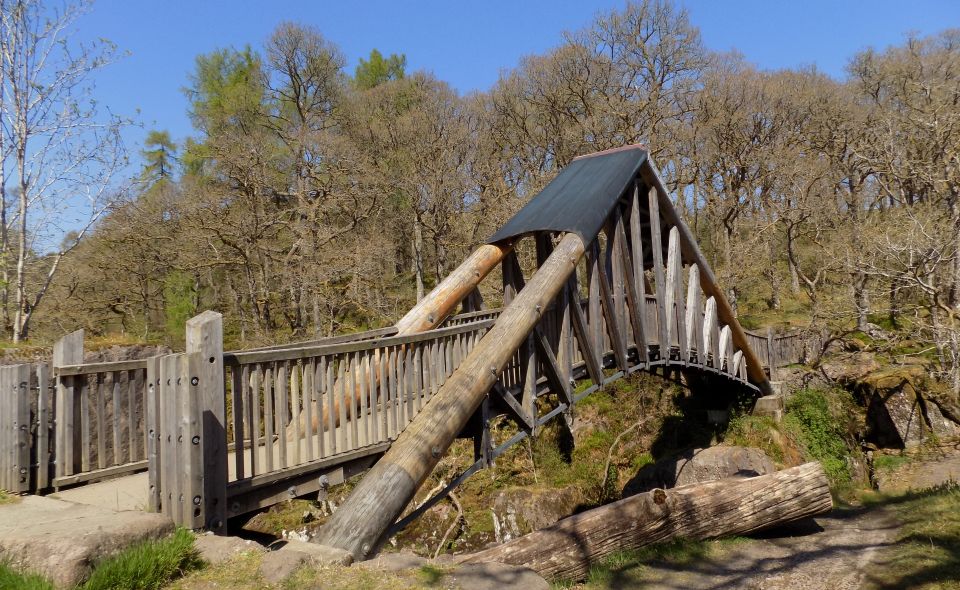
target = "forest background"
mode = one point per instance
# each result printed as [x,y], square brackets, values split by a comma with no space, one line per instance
[313,200]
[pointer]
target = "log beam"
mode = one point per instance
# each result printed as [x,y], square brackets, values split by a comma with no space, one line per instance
[734,506]
[360,524]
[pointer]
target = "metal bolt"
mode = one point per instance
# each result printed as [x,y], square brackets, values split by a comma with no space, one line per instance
[292,490]
[493,371]
[435,451]
[365,548]
[194,381]
[324,481]
[196,440]
[196,500]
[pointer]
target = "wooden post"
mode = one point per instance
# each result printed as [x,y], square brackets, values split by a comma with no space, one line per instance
[152,424]
[67,351]
[361,521]
[205,337]
[44,406]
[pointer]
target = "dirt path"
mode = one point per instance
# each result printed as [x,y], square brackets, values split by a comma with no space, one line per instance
[833,552]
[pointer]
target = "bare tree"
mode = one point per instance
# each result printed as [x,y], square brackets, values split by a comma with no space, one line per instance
[64,155]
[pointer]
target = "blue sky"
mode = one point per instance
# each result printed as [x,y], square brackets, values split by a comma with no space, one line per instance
[467,44]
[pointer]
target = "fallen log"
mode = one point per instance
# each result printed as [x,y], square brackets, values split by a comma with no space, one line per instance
[733,506]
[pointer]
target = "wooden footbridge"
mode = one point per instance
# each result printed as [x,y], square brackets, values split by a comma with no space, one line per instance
[614,283]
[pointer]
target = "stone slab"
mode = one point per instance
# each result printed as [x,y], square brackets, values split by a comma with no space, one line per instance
[217,549]
[62,540]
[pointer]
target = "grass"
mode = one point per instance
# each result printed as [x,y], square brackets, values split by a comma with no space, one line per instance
[890,462]
[147,566]
[926,554]
[11,579]
[8,498]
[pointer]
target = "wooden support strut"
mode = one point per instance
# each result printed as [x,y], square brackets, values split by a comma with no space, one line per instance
[360,523]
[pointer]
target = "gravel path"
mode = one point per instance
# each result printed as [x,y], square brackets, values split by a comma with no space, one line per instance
[831,552]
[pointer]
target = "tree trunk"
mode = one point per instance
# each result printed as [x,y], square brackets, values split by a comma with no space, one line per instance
[418,256]
[727,507]
[861,300]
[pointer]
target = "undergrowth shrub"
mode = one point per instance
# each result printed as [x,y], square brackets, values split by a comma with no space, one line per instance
[820,429]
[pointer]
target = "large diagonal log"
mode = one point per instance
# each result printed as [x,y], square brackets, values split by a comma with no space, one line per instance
[360,524]
[428,314]
[708,282]
[430,311]
[726,507]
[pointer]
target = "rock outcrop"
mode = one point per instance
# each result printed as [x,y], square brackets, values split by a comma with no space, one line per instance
[699,466]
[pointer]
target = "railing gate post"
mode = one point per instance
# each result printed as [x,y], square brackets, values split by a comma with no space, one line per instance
[205,337]
[66,438]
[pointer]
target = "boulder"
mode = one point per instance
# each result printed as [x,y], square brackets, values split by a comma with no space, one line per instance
[701,465]
[898,415]
[288,556]
[518,511]
[847,369]
[216,549]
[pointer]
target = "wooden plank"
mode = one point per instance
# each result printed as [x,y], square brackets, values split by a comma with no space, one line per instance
[675,262]
[21,427]
[331,402]
[363,423]
[117,412]
[251,357]
[373,362]
[656,243]
[594,311]
[239,411]
[350,398]
[694,321]
[152,425]
[167,401]
[581,330]
[135,399]
[101,410]
[255,465]
[551,368]
[302,400]
[77,368]
[528,398]
[44,400]
[635,304]
[636,259]
[86,452]
[286,400]
[340,385]
[610,313]
[725,352]
[194,506]
[711,333]
[269,422]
